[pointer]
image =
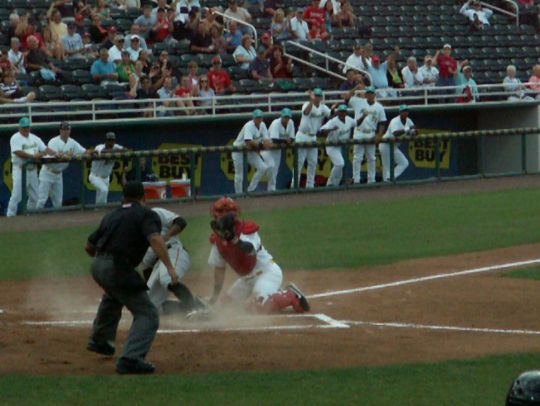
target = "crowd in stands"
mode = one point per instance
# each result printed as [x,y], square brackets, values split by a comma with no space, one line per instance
[132,55]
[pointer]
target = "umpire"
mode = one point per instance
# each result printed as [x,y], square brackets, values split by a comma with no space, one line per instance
[118,246]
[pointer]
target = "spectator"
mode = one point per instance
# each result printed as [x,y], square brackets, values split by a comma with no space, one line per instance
[16,57]
[145,21]
[163,28]
[186,97]
[164,61]
[56,25]
[201,42]
[125,67]
[280,29]
[139,71]
[270,7]
[193,75]
[103,71]
[466,86]
[260,68]
[26,28]
[239,13]
[102,9]
[53,44]
[145,61]
[447,67]
[158,74]
[411,74]
[136,4]
[356,60]
[5,64]
[351,81]
[394,76]
[109,41]
[299,27]
[218,42]
[475,13]
[185,10]
[98,33]
[430,73]
[79,25]
[210,21]
[280,66]
[318,31]
[37,60]
[81,9]
[534,82]
[134,48]
[14,22]
[513,85]
[160,4]
[10,91]
[135,31]
[73,43]
[233,38]
[266,44]
[167,91]
[314,15]
[218,78]
[192,24]
[345,17]
[145,91]
[378,72]
[90,49]
[115,52]
[205,94]
[245,53]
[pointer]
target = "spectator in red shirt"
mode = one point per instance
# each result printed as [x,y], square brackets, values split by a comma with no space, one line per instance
[448,67]
[281,67]
[318,31]
[219,79]
[163,27]
[184,92]
[314,14]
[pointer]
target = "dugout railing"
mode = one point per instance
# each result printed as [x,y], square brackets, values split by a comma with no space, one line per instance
[481,138]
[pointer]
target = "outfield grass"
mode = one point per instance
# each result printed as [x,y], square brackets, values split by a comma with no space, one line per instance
[527,273]
[346,236]
[478,382]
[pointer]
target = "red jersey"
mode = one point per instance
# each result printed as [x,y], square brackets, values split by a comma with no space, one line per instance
[183,92]
[219,81]
[445,63]
[164,31]
[314,15]
[241,262]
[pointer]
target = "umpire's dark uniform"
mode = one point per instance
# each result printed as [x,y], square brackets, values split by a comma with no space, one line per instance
[119,245]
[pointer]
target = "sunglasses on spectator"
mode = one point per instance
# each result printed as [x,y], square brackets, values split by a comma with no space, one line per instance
[203,80]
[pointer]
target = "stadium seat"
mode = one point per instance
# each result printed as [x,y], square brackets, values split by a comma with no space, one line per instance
[81,76]
[93,91]
[72,92]
[49,92]
[123,24]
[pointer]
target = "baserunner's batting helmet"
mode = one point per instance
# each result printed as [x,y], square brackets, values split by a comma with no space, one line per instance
[525,390]
[223,206]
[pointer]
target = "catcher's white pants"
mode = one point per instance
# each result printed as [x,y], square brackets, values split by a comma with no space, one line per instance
[50,185]
[336,156]
[102,187]
[261,166]
[160,278]
[359,151]
[32,185]
[273,156]
[400,160]
[262,282]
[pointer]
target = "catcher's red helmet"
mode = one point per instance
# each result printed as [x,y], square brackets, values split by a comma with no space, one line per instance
[223,206]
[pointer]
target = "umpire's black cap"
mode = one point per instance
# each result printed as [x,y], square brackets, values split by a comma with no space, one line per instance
[133,190]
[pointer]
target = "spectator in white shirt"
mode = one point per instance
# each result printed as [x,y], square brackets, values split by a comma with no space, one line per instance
[513,85]
[355,60]
[245,53]
[299,27]
[239,13]
[15,56]
[134,48]
[145,21]
[115,52]
[430,73]
[473,11]
[73,43]
[411,74]
[135,32]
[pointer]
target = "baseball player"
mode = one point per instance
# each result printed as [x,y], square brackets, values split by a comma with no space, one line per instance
[370,127]
[313,114]
[237,243]
[400,125]
[50,175]
[280,131]
[156,274]
[100,172]
[253,134]
[25,145]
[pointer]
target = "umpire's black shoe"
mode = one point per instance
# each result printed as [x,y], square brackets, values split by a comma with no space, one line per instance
[101,348]
[134,366]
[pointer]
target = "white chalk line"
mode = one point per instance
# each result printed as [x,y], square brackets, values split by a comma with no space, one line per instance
[426,278]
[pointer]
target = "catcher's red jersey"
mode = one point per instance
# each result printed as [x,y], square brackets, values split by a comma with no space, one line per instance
[238,260]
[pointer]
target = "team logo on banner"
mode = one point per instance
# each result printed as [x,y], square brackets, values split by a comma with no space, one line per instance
[8,180]
[422,152]
[174,166]
[227,166]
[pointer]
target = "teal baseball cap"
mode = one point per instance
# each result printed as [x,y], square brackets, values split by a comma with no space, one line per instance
[257,113]
[342,107]
[286,112]
[318,92]
[370,89]
[24,122]
[403,107]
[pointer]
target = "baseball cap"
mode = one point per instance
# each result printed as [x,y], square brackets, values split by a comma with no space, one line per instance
[24,122]
[134,190]
[286,112]
[266,35]
[467,67]
[342,107]
[257,113]
[376,58]
[113,30]
[135,38]
[64,125]
[216,59]
[300,10]
[403,107]
[110,136]
[118,37]
[318,92]
[79,18]
[71,24]
[447,46]
[370,89]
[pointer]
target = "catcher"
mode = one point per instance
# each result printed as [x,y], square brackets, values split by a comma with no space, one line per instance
[237,243]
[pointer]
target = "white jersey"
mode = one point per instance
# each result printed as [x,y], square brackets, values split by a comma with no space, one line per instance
[355,62]
[276,131]
[31,145]
[250,132]
[167,217]
[71,147]
[343,128]
[359,105]
[412,79]
[263,257]
[103,168]
[396,125]
[375,115]
[311,123]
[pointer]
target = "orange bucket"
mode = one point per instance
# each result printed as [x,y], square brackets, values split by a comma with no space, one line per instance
[180,187]
[155,190]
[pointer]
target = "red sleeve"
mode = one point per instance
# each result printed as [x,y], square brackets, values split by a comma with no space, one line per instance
[211,80]
[249,227]
[227,79]
[213,238]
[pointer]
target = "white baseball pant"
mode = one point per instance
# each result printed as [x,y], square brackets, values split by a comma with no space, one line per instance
[311,155]
[336,156]
[261,167]
[160,278]
[273,156]
[262,282]
[50,185]
[400,161]
[32,185]
[369,151]
[102,187]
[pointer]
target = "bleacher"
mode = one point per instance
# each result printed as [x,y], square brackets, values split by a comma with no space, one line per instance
[418,27]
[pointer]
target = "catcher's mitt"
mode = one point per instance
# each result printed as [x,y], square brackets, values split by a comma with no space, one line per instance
[225,227]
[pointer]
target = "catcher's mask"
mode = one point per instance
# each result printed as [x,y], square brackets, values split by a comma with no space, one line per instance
[525,390]
[223,206]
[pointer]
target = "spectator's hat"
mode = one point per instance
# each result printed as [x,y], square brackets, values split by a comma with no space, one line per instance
[370,89]
[71,24]
[113,30]
[467,67]
[403,107]
[257,113]
[135,37]
[64,125]
[266,35]
[79,18]
[118,37]
[447,46]
[216,59]
[342,107]
[286,112]
[24,122]
[300,10]
[110,136]
[161,10]
[318,92]
[376,58]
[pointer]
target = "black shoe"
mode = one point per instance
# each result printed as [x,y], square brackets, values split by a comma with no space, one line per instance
[134,366]
[101,348]
[301,297]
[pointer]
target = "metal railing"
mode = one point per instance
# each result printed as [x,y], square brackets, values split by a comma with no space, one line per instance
[437,139]
[225,17]
[503,11]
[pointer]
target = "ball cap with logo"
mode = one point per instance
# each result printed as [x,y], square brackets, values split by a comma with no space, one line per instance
[24,122]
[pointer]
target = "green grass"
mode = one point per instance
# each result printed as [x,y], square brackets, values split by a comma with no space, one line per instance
[346,236]
[527,273]
[478,382]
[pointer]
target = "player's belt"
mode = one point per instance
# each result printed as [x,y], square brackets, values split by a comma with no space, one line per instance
[54,171]
[101,177]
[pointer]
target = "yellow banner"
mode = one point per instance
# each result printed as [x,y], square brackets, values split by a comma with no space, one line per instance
[422,153]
